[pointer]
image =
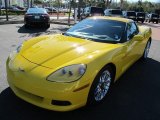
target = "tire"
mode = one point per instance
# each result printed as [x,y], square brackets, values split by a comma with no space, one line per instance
[99,90]
[146,50]
[26,26]
[48,26]
[142,21]
[156,22]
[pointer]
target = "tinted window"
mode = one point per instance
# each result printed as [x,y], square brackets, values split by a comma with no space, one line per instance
[99,30]
[154,15]
[36,10]
[131,30]
[131,14]
[96,10]
[117,12]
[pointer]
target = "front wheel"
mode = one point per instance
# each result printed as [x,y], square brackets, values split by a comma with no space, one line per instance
[101,85]
[146,50]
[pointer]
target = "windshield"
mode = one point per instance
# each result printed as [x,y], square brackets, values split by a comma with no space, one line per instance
[97,10]
[99,30]
[36,10]
[117,12]
[131,14]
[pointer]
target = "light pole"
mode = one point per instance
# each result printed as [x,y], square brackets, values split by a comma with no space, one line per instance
[58,10]
[6,8]
[0,7]
[69,12]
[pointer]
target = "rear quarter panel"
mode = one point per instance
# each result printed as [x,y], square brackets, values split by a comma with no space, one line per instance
[146,32]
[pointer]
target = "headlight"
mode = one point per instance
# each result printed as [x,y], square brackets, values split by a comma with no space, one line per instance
[14,53]
[68,74]
[18,48]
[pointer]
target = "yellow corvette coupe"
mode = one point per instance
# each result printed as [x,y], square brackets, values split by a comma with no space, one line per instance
[66,71]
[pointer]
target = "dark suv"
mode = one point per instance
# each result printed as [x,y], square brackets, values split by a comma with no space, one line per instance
[92,11]
[140,16]
[113,12]
[153,18]
[130,15]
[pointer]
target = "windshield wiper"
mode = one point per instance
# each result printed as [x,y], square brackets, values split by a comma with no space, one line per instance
[77,36]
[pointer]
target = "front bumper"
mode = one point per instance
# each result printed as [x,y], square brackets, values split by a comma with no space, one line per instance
[140,19]
[42,93]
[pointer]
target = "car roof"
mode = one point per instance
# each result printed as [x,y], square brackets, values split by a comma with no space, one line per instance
[112,18]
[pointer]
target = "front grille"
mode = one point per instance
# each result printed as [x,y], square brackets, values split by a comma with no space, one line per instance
[29,95]
[60,103]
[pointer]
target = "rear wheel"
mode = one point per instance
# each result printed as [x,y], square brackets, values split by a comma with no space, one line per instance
[146,50]
[101,85]
[26,26]
[48,26]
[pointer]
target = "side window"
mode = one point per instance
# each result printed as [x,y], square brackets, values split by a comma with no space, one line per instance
[134,28]
[131,30]
[128,31]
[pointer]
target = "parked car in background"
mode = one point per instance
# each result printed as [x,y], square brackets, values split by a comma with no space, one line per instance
[153,18]
[13,8]
[19,7]
[92,11]
[140,16]
[113,12]
[130,15]
[51,9]
[36,16]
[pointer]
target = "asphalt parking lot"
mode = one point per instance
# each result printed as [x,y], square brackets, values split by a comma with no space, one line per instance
[135,96]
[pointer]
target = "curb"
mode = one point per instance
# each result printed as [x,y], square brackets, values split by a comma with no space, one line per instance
[19,22]
[10,22]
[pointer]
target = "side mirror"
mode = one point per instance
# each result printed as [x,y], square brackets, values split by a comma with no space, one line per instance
[138,37]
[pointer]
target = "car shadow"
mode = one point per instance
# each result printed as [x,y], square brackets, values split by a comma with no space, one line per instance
[135,96]
[40,30]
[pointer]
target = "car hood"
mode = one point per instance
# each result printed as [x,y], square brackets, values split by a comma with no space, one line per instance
[56,50]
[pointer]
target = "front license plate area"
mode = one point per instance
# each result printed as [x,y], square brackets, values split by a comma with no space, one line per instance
[37,17]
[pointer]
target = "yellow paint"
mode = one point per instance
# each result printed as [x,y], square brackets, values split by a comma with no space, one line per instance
[39,57]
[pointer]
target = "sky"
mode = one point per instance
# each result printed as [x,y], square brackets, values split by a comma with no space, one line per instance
[142,0]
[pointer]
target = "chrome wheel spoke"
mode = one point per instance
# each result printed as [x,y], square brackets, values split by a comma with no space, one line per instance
[147,50]
[102,86]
